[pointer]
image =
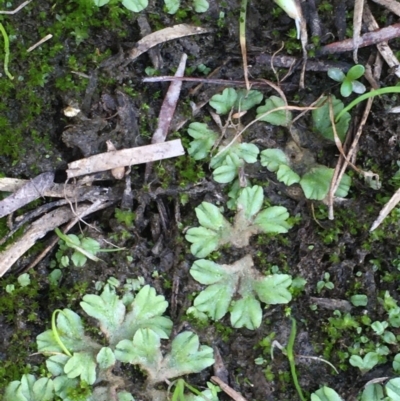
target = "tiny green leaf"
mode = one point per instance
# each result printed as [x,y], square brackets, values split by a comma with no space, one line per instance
[71,333]
[358,87]
[372,392]
[200,6]
[186,356]
[273,220]
[78,259]
[227,172]
[55,364]
[24,280]
[286,175]
[251,200]
[105,358]
[247,100]
[336,74]
[315,183]
[204,241]
[325,394]
[63,386]
[274,289]
[242,282]
[359,300]
[247,313]
[223,103]
[279,117]
[392,388]
[215,300]
[204,139]
[172,6]
[135,5]
[396,363]
[322,121]
[90,245]
[107,308]
[83,365]
[346,88]
[248,152]
[143,350]
[273,158]
[355,72]
[207,272]
[209,216]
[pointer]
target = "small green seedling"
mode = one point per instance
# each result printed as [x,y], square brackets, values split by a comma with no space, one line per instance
[349,80]
[84,248]
[325,283]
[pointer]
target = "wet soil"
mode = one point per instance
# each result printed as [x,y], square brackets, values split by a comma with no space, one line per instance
[84,66]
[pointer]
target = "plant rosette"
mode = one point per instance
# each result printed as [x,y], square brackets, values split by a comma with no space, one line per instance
[349,80]
[215,231]
[133,328]
[237,288]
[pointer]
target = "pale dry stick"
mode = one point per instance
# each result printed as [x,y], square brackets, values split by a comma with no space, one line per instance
[393,201]
[317,358]
[76,207]
[45,39]
[368,39]
[20,7]
[357,22]
[391,5]
[337,140]
[227,389]
[342,165]
[338,144]
[382,47]
[167,111]
[335,181]
[242,40]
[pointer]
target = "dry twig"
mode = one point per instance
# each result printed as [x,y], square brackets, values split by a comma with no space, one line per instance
[20,7]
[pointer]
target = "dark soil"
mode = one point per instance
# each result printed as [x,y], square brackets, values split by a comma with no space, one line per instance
[36,137]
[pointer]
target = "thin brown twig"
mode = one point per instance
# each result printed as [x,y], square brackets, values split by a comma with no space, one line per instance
[368,39]
[227,389]
[342,163]
[20,7]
